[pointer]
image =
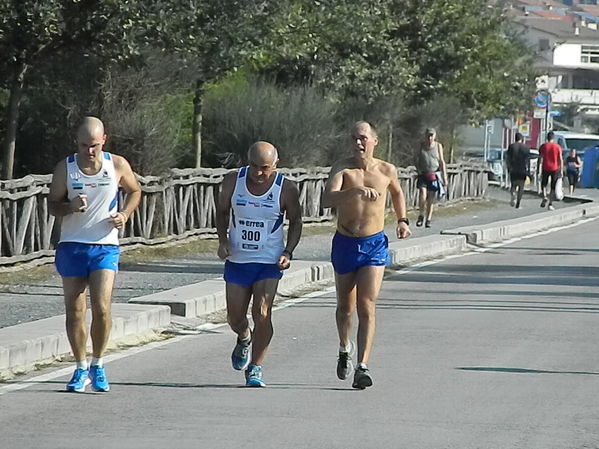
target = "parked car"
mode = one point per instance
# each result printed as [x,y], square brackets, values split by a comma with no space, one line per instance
[579,141]
[497,165]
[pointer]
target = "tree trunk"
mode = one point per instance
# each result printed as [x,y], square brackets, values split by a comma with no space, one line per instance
[452,145]
[197,121]
[390,142]
[12,121]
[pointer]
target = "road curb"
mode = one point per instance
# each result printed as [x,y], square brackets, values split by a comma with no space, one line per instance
[47,340]
[517,227]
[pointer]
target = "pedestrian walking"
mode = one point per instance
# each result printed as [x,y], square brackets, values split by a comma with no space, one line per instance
[518,164]
[573,167]
[432,176]
[551,163]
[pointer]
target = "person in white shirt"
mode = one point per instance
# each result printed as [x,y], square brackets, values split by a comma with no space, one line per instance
[84,192]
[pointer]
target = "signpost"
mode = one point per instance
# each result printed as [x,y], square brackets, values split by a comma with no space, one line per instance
[542,102]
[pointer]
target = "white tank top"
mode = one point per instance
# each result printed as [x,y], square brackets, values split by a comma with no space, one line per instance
[256,229]
[92,226]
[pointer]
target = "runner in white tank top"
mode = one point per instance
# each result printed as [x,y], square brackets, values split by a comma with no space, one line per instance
[95,225]
[256,229]
[249,222]
[84,193]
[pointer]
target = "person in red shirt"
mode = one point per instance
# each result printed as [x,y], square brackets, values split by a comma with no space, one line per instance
[551,164]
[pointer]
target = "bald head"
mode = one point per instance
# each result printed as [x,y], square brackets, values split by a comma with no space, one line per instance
[90,126]
[263,153]
[91,139]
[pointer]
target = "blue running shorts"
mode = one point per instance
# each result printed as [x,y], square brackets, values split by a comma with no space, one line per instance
[350,253]
[80,259]
[245,274]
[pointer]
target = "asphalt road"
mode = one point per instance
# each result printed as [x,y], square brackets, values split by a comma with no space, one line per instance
[495,349]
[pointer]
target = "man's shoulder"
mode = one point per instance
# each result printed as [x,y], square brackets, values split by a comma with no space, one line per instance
[386,167]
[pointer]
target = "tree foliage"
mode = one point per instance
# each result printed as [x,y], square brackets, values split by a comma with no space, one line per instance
[413,48]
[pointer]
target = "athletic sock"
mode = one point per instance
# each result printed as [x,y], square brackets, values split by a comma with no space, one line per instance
[97,361]
[345,348]
[362,365]
[245,341]
[82,364]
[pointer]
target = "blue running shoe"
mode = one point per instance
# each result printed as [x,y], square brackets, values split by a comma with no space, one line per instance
[240,358]
[253,376]
[79,381]
[98,379]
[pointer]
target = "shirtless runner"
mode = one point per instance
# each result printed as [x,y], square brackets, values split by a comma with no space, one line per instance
[357,188]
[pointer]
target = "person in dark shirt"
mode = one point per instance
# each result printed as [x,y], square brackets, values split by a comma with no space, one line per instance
[573,166]
[518,163]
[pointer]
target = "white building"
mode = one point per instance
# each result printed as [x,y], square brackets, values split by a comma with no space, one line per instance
[567,42]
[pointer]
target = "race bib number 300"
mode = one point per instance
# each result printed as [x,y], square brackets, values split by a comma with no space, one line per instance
[252,234]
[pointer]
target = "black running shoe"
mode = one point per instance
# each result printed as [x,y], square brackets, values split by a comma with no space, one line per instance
[344,363]
[362,378]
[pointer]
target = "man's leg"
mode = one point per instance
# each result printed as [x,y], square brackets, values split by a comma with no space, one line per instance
[513,192]
[238,300]
[75,307]
[264,292]
[430,200]
[346,305]
[101,283]
[422,197]
[520,190]
[544,180]
[368,280]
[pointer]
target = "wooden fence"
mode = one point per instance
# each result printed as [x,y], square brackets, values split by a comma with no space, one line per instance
[177,206]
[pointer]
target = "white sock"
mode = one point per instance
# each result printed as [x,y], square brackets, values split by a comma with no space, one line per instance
[245,341]
[345,348]
[97,361]
[82,364]
[362,365]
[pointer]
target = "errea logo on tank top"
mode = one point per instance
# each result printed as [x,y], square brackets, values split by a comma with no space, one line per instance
[251,224]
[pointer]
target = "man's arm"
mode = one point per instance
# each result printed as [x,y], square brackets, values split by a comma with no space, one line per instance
[223,213]
[293,211]
[333,196]
[131,186]
[58,203]
[399,203]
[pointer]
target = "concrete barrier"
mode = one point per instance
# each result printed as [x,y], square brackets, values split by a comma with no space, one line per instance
[506,229]
[44,341]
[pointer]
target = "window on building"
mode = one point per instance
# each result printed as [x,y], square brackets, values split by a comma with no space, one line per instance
[589,54]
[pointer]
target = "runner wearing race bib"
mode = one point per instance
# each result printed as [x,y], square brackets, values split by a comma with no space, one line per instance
[251,208]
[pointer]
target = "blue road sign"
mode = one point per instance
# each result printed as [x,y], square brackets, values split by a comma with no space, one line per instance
[542,99]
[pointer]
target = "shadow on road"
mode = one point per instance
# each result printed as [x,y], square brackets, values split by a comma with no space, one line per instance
[522,370]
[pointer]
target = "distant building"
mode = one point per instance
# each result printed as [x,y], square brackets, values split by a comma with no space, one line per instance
[566,38]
